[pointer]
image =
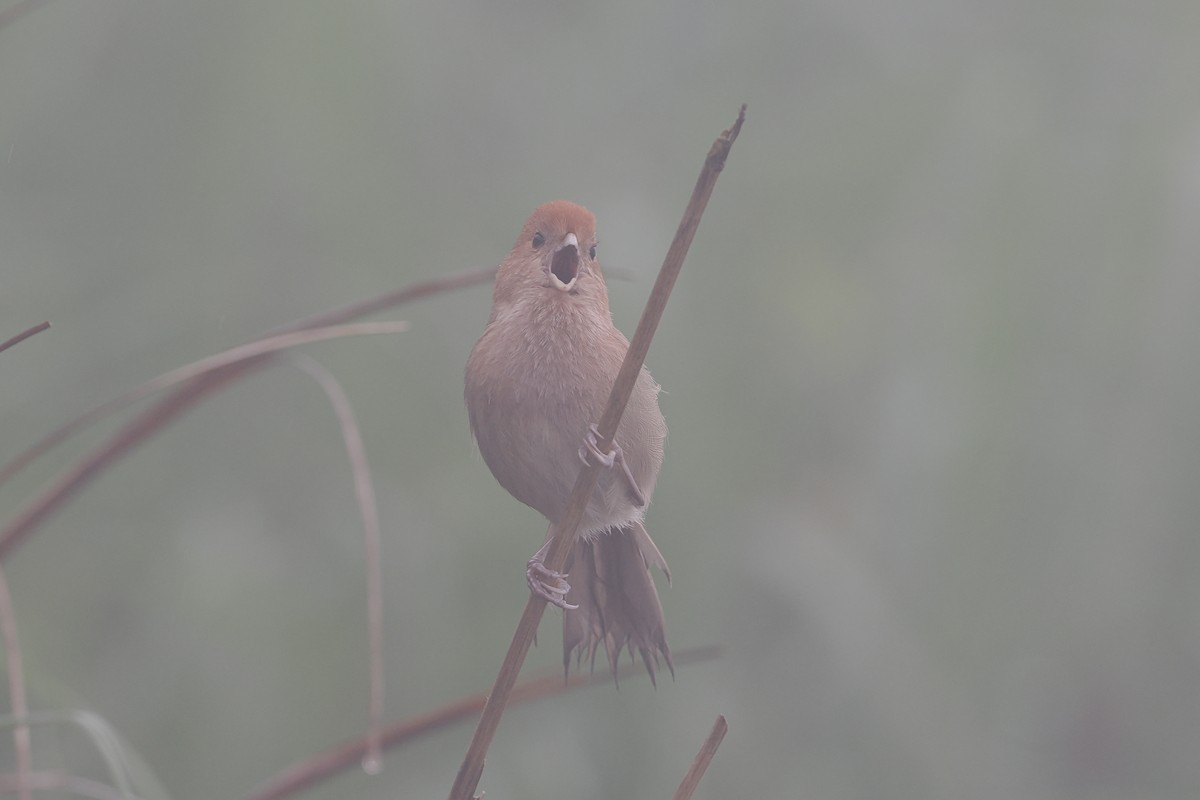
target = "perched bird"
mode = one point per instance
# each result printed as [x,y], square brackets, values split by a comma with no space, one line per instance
[537,380]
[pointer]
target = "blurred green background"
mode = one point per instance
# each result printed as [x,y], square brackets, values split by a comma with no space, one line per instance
[931,372]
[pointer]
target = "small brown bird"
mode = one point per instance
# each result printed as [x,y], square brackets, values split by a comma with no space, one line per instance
[537,381]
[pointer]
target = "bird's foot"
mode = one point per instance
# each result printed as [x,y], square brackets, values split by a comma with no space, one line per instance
[546,583]
[591,449]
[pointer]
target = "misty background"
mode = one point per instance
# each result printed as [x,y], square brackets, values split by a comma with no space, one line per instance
[931,379]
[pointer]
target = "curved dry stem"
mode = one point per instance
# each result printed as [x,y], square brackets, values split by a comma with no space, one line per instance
[467,779]
[184,397]
[368,509]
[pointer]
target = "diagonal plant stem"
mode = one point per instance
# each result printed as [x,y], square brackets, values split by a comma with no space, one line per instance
[306,774]
[467,779]
[369,510]
[691,780]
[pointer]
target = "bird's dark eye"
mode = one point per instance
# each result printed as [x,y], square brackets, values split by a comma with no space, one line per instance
[538,240]
[592,252]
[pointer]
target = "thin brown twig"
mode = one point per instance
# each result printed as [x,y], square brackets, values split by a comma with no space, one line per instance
[467,779]
[183,398]
[16,692]
[396,297]
[707,750]
[23,335]
[364,492]
[322,766]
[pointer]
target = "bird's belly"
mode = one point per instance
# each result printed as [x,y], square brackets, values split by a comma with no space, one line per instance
[537,461]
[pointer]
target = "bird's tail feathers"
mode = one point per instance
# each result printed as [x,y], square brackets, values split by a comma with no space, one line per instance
[618,604]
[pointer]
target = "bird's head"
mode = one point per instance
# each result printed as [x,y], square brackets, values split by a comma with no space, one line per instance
[554,258]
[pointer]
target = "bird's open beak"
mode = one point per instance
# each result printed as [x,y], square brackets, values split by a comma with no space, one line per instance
[564,264]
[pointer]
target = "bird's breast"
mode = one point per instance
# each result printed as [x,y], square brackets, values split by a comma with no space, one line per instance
[534,384]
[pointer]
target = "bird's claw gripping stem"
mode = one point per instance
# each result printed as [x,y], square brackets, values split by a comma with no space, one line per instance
[545,583]
[591,447]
